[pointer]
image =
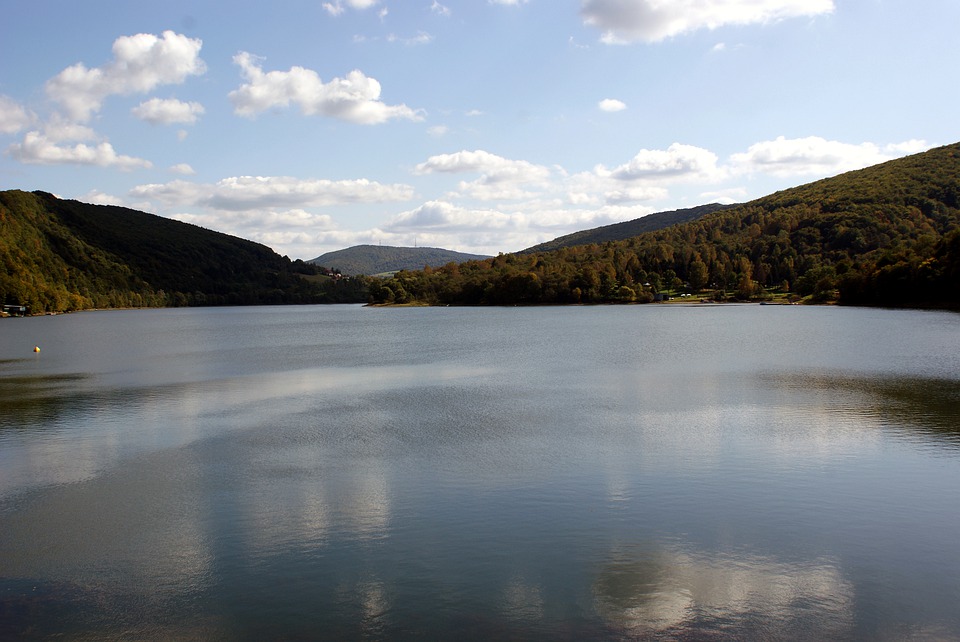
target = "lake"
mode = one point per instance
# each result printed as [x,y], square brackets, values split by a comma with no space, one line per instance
[568,473]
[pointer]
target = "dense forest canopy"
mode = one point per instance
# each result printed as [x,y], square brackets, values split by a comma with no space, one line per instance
[61,255]
[886,235]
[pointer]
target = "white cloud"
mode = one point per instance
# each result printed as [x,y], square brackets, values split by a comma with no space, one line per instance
[494,168]
[513,3]
[270,219]
[140,63]
[440,214]
[913,146]
[165,112]
[334,9]
[485,189]
[338,7]
[422,38]
[443,224]
[265,192]
[38,149]
[13,117]
[676,162]
[488,231]
[101,198]
[611,105]
[59,130]
[815,156]
[295,232]
[438,130]
[599,188]
[500,178]
[183,169]
[624,21]
[726,196]
[355,98]
[634,195]
[439,9]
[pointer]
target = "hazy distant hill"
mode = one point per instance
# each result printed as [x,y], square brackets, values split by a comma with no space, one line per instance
[58,255]
[886,235]
[628,229]
[376,259]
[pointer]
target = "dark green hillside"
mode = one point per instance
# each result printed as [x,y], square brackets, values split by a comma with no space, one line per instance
[376,259]
[627,229]
[885,235]
[59,255]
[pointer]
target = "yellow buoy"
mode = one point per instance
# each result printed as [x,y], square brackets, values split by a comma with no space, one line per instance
[36,348]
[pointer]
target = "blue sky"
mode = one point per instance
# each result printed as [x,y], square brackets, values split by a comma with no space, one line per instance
[477,125]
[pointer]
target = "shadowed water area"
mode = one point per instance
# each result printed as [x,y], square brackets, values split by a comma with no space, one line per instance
[330,472]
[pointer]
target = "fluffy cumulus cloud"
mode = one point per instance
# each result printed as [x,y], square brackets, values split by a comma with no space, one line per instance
[622,21]
[101,198]
[140,64]
[449,217]
[611,105]
[634,195]
[241,193]
[265,222]
[500,178]
[815,156]
[183,169]
[598,189]
[491,230]
[39,149]
[159,111]
[13,117]
[677,162]
[59,130]
[295,232]
[355,98]
[338,7]
[913,146]
[494,168]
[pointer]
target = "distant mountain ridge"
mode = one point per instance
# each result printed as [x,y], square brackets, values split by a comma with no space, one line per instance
[628,229]
[376,259]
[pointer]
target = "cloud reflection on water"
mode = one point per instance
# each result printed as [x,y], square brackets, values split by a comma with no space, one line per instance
[68,430]
[649,590]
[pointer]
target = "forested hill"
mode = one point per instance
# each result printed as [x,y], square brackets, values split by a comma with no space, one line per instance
[60,255]
[885,235]
[376,259]
[628,229]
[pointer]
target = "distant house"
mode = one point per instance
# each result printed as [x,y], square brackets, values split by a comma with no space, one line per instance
[14,310]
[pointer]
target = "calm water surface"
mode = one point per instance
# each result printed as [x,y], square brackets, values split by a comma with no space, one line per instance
[446,473]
